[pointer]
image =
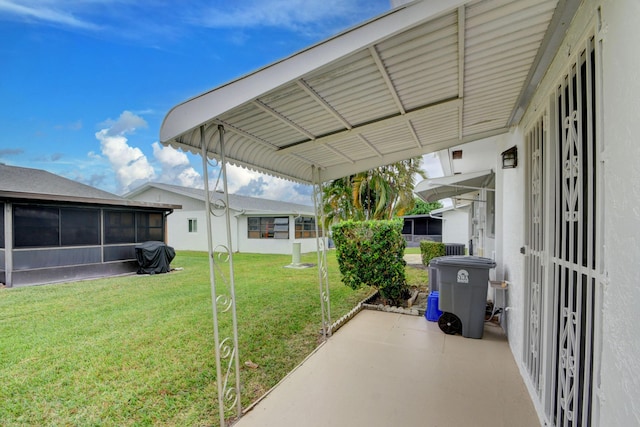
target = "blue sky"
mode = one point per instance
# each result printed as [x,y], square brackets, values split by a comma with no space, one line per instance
[84,85]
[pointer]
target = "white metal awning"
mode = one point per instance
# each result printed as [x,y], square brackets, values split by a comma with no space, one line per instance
[432,190]
[423,77]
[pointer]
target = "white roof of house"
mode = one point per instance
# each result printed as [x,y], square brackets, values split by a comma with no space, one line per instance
[423,77]
[18,183]
[250,205]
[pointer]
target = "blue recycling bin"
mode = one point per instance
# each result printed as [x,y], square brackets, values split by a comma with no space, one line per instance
[432,313]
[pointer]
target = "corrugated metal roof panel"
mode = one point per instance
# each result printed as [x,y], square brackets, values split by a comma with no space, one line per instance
[441,126]
[423,62]
[297,106]
[398,86]
[356,89]
[391,139]
[502,38]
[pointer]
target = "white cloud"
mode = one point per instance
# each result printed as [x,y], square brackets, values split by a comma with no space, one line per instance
[249,183]
[189,177]
[296,15]
[169,156]
[37,10]
[176,168]
[132,168]
[128,122]
[238,177]
[129,163]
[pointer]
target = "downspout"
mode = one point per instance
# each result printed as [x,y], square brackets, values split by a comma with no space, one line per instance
[236,216]
[166,229]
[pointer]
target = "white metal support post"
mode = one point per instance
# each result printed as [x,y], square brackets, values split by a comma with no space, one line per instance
[227,349]
[323,275]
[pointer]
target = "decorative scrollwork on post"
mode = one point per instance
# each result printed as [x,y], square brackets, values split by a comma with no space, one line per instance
[218,207]
[323,274]
[223,302]
[227,352]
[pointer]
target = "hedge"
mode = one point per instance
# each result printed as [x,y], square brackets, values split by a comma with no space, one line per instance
[371,253]
[430,250]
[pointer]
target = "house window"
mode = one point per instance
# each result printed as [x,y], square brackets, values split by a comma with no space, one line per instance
[306,227]
[193,225]
[268,227]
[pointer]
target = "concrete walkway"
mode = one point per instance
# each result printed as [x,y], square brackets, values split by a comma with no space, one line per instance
[387,369]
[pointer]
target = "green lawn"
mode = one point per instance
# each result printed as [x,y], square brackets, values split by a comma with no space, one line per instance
[138,350]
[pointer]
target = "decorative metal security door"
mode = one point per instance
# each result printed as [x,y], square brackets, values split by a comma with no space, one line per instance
[575,245]
[535,254]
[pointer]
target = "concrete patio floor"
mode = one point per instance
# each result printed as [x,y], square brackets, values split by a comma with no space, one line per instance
[388,369]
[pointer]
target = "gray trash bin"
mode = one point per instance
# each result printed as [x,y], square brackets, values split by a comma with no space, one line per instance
[433,278]
[463,282]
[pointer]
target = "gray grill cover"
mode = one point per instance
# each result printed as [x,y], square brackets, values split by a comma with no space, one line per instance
[154,257]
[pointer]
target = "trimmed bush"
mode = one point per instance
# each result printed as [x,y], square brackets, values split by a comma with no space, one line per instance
[430,250]
[371,253]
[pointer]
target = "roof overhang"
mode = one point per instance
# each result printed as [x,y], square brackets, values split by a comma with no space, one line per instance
[423,77]
[432,190]
[21,196]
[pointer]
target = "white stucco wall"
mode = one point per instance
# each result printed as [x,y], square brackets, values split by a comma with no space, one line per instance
[179,237]
[455,226]
[620,367]
[617,361]
[178,234]
[272,246]
[510,185]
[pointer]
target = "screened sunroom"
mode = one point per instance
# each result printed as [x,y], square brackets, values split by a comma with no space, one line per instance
[53,229]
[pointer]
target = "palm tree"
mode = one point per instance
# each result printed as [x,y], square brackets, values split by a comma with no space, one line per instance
[337,200]
[380,193]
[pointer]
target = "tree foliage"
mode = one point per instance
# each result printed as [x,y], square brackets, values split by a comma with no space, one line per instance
[371,253]
[423,208]
[381,193]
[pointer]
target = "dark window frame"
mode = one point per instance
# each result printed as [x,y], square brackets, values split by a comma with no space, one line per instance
[305,227]
[268,227]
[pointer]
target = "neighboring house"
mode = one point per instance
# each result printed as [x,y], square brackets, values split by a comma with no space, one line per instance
[555,82]
[469,187]
[417,228]
[257,225]
[53,229]
[455,224]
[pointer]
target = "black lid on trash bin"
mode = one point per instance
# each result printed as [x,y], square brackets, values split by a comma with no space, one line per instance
[463,261]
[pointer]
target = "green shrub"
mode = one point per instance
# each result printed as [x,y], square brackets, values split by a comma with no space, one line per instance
[371,253]
[430,250]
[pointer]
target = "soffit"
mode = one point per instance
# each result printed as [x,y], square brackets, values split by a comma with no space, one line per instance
[423,77]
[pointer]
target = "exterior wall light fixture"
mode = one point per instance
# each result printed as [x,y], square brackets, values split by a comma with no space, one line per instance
[510,158]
